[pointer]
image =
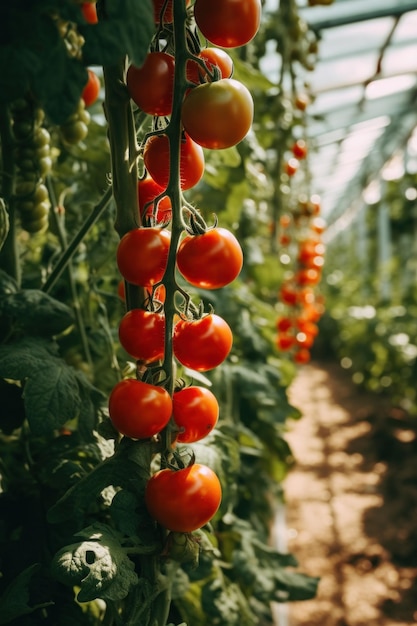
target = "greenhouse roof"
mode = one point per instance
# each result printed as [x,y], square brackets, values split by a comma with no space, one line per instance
[364,85]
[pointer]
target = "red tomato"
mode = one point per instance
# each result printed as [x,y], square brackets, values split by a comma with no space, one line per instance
[139,410]
[142,255]
[195,411]
[288,293]
[157,158]
[285,342]
[167,17]
[284,324]
[142,335]
[291,166]
[213,58]
[148,190]
[218,115]
[302,356]
[89,11]
[211,260]
[183,500]
[91,90]
[202,344]
[228,23]
[308,276]
[299,149]
[151,85]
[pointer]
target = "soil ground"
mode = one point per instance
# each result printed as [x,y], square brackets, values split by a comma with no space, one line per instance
[351,503]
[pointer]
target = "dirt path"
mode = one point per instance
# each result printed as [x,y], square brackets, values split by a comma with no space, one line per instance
[352,504]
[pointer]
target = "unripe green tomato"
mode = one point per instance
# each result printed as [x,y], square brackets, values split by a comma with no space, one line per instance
[26,188]
[45,165]
[35,226]
[38,211]
[75,132]
[41,137]
[84,116]
[22,129]
[43,151]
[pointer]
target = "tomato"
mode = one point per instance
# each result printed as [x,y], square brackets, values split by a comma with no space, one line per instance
[139,410]
[284,324]
[299,149]
[195,411]
[202,344]
[156,157]
[285,342]
[291,166]
[228,23]
[183,500]
[318,225]
[151,85]
[302,101]
[148,190]
[91,90]
[211,260]
[213,58]
[302,356]
[142,335]
[167,17]
[142,255]
[218,115]
[308,276]
[288,293]
[89,11]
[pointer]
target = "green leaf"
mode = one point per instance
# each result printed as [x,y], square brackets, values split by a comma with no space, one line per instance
[36,312]
[14,601]
[51,393]
[127,30]
[295,586]
[98,565]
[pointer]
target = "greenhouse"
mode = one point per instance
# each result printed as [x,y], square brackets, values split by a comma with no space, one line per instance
[208,304]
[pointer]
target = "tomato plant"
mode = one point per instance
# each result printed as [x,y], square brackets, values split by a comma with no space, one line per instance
[183,500]
[202,344]
[167,16]
[142,333]
[218,115]
[91,90]
[195,411]
[139,410]
[228,23]
[156,156]
[142,255]
[151,85]
[210,260]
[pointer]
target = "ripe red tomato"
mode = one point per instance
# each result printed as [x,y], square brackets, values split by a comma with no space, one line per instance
[211,260]
[213,58]
[195,411]
[288,293]
[142,255]
[139,410]
[300,149]
[218,115]
[167,17]
[291,166]
[284,324]
[183,500]
[228,23]
[148,190]
[285,342]
[156,159]
[202,344]
[151,85]
[142,335]
[302,356]
[89,11]
[91,90]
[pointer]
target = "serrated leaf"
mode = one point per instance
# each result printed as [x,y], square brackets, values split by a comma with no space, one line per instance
[51,394]
[127,30]
[14,602]
[47,316]
[295,586]
[99,565]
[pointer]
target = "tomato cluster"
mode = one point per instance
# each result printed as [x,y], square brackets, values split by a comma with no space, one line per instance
[172,244]
[300,239]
